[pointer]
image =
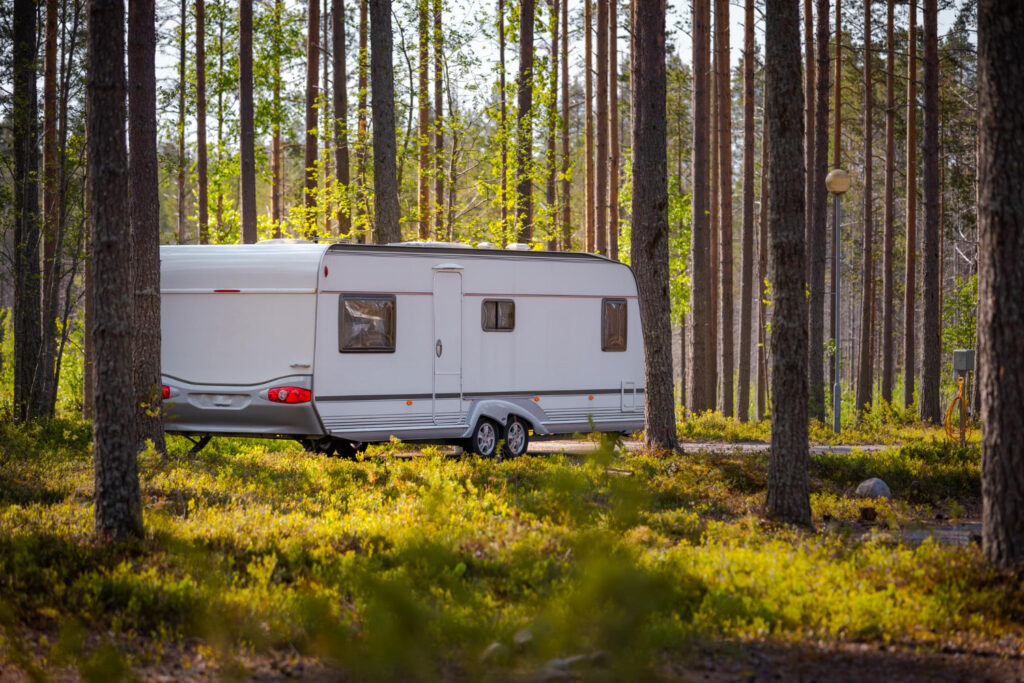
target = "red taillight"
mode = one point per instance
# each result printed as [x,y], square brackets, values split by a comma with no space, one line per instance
[165,392]
[289,395]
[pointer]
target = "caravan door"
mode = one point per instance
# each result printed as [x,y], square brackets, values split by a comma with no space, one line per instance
[447,344]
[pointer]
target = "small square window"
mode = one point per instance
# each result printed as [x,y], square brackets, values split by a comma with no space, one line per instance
[613,324]
[366,324]
[498,315]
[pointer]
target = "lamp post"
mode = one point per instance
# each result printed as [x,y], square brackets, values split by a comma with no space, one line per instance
[837,182]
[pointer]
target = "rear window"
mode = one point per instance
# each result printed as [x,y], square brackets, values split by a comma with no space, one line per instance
[613,324]
[366,323]
[498,315]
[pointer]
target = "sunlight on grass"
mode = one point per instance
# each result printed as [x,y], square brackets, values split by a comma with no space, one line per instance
[408,568]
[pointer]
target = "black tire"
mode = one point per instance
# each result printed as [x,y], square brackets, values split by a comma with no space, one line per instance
[325,445]
[485,438]
[517,438]
[348,449]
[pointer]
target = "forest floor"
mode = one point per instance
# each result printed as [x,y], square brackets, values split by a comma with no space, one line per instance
[585,560]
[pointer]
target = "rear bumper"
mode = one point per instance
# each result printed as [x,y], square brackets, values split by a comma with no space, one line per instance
[238,409]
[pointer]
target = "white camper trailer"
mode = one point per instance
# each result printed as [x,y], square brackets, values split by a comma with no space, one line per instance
[342,345]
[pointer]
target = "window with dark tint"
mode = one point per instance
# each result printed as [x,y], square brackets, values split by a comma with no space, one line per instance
[613,324]
[498,315]
[366,323]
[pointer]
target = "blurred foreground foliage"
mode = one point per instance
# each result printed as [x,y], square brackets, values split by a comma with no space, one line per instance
[401,569]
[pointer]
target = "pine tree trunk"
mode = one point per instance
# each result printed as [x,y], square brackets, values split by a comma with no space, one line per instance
[890,182]
[701,396]
[438,123]
[144,209]
[762,273]
[341,115]
[247,177]
[818,229]
[385,175]
[118,502]
[51,217]
[613,130]
[24,136]
[220,119]
[747,257]
[362,143]
[723,86]
[275,127]
[524,124]
[588,128]
[564,124]
[1001,278]
[931,283]
[788,486]
[504,119]
[910,286]
[423,130]
[551,194]
[181,123]
[324,126]
[865,380]
[204,219]
[837,156]
[649,242]
[601,121]
[312,94]
[715,358]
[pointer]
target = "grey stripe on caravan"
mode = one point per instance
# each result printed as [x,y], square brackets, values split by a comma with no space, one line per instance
[472,395]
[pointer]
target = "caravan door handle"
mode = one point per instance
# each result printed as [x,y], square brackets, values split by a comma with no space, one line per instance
[438,348]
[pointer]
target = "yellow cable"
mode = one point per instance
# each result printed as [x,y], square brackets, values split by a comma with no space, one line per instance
[959,398]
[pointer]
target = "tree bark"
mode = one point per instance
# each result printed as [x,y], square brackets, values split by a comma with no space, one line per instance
[24,135]
[747,257]
[865,379]
[201,174]
[818,229]
[181,122]
[890,182]
[312,94]
[118,502]
[588,128]
[701,394]
[613,130]
[51,217]
[551,194]
[423,130]
[275,126]
[362,144]
[837,156]
[385,176]
[788,497]
[601,121]
[723,86]
[910,287]
[247,177]
[762,273]
[564,124]
[502,95]
[144,209]
[931,284]
[524,124]
[649,242]
[438,123]
[325,127]
[1001,277]
[341,116]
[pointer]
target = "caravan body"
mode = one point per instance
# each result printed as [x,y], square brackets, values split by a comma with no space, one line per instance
[358,344]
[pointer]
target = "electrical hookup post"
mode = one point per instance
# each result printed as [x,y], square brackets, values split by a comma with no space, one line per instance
[963,366]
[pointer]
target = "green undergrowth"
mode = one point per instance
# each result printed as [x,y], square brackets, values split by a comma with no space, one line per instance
[404,569]
[883,426]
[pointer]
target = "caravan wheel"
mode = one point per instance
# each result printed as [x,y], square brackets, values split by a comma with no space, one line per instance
[484,441]
[517,438]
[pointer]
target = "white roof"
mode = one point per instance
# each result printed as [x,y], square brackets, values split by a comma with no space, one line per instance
[243,267]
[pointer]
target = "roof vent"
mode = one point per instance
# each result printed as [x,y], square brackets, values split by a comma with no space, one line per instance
[425,243]
[284,240]
[486,245]
[518,246]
